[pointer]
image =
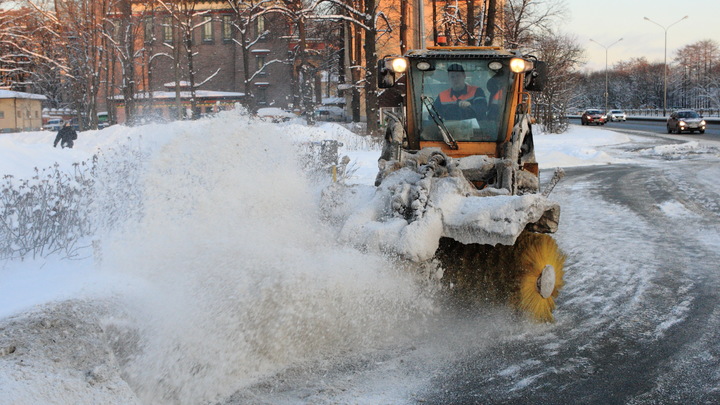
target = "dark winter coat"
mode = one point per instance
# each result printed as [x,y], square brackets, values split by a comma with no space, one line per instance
[67,135]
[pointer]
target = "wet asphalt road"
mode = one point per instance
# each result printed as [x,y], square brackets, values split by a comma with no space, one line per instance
[712,131]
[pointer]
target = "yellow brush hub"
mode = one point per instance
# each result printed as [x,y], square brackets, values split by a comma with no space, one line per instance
[540,254]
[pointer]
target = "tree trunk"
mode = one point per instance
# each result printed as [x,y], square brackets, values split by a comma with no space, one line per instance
[403,26]
[472,39]
[127,45]
[357,55]
[371,96]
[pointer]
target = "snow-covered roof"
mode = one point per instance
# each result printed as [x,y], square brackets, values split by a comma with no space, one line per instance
[274,112]
[20,94]
[184,94]
[183,83]
[333,100]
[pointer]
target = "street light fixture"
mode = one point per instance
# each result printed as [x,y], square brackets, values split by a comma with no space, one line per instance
[665,62]
[606,68]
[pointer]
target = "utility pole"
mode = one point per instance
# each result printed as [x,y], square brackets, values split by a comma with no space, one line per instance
[665,61]
[606,68]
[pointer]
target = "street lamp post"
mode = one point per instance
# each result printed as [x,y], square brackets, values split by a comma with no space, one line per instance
[606,68]
[665,61]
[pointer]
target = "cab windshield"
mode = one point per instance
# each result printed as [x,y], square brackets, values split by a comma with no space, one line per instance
[466,97]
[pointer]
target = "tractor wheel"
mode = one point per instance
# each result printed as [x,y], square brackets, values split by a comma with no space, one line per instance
[527,275]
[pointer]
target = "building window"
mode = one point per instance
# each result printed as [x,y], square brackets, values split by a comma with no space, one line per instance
[168,30]
[149,34]
[260,63]
[261,27]
[227,28]
[261,95]
[2,115]
[207,29]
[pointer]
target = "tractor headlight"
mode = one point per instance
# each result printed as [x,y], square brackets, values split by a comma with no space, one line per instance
[399,65]
[519,65]
[423,65]
[495,65]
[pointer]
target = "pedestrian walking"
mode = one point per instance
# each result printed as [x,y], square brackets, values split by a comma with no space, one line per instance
[66,135]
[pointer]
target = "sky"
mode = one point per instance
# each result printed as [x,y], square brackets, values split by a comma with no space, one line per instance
[609,20]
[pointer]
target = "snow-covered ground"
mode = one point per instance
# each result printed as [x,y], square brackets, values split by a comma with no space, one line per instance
[227,271]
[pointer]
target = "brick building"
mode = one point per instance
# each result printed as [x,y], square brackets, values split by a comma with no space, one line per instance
[217,60]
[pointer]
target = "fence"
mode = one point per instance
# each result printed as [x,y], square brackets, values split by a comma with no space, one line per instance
[658,112]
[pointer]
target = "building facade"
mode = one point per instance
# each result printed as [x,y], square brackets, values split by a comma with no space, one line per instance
[20,111]
[202,50]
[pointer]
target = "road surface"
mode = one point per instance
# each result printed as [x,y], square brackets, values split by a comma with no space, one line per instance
[712,131]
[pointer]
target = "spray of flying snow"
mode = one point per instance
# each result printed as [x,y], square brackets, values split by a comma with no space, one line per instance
[234,277]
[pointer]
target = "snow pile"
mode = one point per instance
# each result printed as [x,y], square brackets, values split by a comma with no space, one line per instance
[577,147]
[228,275]
[690,147]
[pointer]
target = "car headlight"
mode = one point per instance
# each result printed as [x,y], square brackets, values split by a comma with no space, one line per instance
[682,123]
[702,122]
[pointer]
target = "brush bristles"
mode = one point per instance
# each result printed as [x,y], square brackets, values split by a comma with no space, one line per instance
[538,253]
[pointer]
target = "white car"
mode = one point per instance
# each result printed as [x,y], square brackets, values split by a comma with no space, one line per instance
[617,115]
[330,113]
[53,124]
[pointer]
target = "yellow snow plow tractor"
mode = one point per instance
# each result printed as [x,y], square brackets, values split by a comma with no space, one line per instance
[458,180]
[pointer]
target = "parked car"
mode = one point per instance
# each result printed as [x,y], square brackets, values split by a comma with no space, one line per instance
[330,113]
[685,120]
[53,124]
[593,116]
[617,115]
[275,114]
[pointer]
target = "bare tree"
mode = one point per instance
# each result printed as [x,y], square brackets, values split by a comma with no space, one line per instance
[696,69]
[563,55]
[248,15]
[527,19]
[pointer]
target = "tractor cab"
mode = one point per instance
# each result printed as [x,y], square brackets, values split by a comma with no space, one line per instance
[462,100]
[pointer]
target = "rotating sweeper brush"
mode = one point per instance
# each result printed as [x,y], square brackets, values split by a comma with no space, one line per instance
[528,275]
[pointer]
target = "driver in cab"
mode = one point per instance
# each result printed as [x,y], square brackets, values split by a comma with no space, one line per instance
[461,101]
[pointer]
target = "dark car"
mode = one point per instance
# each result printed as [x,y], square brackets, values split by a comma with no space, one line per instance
[592,116]
[685,120]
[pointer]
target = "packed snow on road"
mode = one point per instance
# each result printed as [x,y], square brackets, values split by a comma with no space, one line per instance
[214,276]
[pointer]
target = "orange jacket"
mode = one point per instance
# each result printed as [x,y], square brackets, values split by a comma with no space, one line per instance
[447,97]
